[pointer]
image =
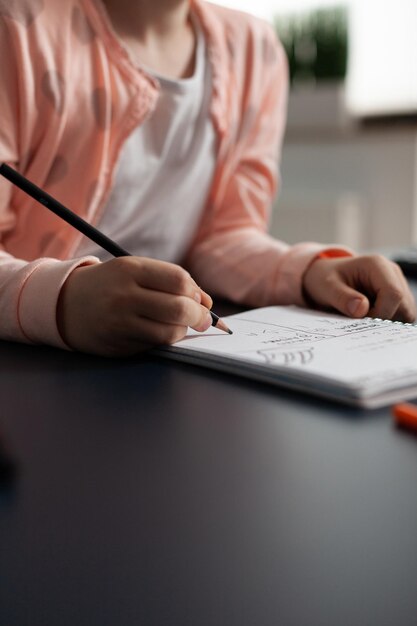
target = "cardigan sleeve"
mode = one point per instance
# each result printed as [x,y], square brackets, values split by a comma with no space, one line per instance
[233,256]
[29,290]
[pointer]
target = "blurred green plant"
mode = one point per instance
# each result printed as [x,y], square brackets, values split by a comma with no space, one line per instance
[316,44]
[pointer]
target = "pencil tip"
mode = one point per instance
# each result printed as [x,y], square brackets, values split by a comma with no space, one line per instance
[221,325]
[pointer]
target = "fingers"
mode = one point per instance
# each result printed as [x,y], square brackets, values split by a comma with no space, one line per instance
[363,285]
[349,301]
[206,300]
[394,299]
[166,293]
[172,309]
[167,278]
[325,288]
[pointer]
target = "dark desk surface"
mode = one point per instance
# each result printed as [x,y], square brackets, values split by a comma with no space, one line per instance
[151,493]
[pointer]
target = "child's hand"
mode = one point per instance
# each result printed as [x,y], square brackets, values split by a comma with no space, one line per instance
[360,286]
[128,304]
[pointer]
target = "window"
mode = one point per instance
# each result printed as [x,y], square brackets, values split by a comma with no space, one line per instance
[382,68]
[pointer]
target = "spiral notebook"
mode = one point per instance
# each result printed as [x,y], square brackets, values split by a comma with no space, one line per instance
[367,362]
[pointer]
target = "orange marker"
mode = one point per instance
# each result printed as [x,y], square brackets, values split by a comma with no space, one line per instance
[405,416]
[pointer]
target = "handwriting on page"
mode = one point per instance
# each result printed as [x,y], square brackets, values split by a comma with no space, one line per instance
[327,344]
[287,357]
[361,335]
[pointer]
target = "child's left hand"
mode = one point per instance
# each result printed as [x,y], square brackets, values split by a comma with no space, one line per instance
[359,286]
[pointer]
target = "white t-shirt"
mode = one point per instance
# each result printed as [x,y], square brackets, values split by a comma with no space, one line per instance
[164,171]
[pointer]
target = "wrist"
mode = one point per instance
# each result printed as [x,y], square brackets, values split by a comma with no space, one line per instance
[323,255]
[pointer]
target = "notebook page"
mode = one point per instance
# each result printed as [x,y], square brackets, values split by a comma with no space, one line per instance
[367,354]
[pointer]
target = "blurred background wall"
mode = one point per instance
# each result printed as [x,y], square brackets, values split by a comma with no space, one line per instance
[349,162]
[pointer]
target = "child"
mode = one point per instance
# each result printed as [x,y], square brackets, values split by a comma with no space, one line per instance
[161,123]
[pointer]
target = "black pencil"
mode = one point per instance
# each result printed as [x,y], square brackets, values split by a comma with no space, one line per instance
[81,225]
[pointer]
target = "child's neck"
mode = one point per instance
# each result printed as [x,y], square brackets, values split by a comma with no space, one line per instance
[159,34]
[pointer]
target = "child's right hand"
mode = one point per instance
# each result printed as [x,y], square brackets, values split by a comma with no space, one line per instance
[129,304]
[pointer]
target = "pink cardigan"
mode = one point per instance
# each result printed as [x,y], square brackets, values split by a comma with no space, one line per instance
[69,98]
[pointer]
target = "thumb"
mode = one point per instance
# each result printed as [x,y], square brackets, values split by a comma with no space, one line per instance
[349,301]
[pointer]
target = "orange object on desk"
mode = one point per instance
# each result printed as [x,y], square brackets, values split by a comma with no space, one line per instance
[405,415]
